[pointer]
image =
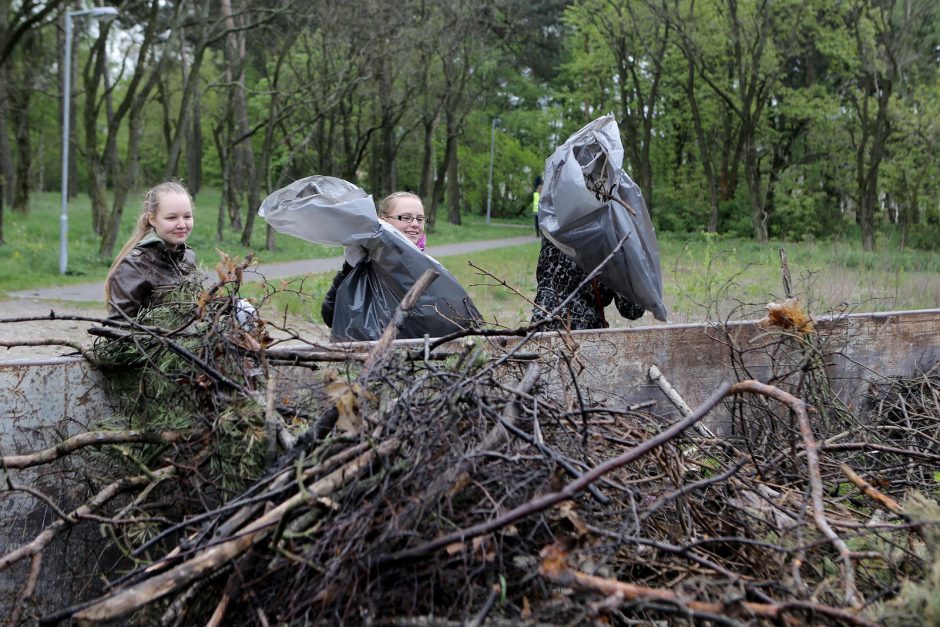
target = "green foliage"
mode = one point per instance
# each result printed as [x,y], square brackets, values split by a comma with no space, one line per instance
[160,389]
[515,165]
[918,603]
[351,93]
[30,257]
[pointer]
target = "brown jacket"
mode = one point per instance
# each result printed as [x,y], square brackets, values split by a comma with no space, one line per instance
[148,273]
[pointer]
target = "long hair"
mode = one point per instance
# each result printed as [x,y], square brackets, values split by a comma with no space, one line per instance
[151,205]
[388,203]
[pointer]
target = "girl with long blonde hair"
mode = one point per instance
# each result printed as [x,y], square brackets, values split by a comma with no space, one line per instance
[155,259]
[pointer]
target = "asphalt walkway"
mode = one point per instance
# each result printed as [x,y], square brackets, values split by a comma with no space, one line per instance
[95,291]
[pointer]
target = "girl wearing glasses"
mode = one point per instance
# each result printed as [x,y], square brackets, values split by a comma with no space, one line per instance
[402,210]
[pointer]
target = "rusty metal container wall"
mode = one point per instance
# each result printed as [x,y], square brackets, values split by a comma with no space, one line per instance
[44,401]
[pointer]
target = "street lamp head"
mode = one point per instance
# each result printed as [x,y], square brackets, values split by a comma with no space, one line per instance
[102,14]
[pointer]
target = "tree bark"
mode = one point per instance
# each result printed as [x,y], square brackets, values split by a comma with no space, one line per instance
[190,78]
[453,182]
[194,145]
[21,96]
[146,72]
[705,153]
[126,176]
[6,153]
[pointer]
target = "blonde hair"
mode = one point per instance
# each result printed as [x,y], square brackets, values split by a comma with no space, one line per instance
[388,203]
[151,205]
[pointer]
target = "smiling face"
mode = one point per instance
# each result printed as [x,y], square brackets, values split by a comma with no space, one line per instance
[173,220]
[407,206]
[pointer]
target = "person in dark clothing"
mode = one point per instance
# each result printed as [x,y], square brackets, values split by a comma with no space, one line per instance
[404,211]
[155,260]
[329,301]
[557,276]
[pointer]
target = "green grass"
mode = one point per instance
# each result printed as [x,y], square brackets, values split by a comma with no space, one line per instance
[703,276]
[30,257]
[706,277]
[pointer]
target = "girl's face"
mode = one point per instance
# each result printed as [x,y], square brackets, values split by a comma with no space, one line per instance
[173,221]
[412,224]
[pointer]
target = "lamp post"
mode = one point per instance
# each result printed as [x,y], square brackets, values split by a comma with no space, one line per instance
[489,184]
[98,13]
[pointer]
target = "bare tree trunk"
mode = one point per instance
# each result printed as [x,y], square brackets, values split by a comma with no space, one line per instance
[705,153]
[759,214]
[6,153]
[147,70]
[97,163]
[453,183]
[189,99]
[126,177]
[427,161]
[242,151]
[437,194]
[225,162]
[194,146]
[73,125]
[21,95]
[869,167]
[23,149]
[124,182]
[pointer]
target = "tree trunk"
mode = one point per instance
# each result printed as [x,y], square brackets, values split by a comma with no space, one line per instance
[437,195]
[225,162]
[126,176]
[270,238]
[453,182]
[189,99]
[23,149]
[194,146]
[6,153]
[426,188]
[242,151]
[97,163]
[20,97]
[705,154]
[73,124]
[758,209]
[869,162]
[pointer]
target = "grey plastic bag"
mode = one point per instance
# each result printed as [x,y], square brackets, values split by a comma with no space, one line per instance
[588,228]
[328,210]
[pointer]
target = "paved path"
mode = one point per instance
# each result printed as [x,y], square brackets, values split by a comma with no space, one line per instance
[95,291]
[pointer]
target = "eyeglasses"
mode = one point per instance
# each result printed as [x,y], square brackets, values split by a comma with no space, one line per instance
[408,219]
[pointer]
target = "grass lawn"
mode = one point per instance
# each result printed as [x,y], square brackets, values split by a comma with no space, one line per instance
[710,278]
[30,257]
[703,276]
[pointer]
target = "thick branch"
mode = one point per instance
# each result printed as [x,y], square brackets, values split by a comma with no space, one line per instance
[555,569]
[92,438]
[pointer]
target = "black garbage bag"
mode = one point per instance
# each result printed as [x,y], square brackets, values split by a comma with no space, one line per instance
[588,204]
[328,210]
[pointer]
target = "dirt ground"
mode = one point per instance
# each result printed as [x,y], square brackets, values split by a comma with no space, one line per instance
[43,334]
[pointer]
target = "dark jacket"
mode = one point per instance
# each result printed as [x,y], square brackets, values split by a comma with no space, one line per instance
[557,276]
[148,272]
[329,302]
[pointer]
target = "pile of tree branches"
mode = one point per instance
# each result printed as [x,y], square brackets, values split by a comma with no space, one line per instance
[484,484]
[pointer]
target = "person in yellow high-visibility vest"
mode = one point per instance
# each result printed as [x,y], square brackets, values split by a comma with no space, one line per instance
[536,194]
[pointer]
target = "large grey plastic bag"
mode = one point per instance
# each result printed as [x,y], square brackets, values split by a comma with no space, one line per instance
[328,210]
[587,228]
